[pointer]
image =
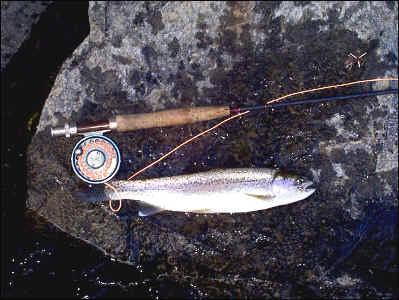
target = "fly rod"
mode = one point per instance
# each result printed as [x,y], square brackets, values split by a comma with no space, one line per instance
[96,159]
[183,116]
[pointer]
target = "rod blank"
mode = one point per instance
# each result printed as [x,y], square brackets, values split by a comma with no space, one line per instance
[318,100]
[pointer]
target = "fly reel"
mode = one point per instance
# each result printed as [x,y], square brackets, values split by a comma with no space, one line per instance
[95,159]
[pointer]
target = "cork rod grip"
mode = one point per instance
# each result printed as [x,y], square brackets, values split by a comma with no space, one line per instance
[170,117]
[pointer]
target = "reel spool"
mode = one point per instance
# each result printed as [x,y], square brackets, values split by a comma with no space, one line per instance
[95,159]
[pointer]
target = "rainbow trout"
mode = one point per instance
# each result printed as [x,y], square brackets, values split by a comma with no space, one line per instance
[217,191]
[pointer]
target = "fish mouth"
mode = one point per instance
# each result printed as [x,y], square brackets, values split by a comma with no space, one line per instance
[307,187]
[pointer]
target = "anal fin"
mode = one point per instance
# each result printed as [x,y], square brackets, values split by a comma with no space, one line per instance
[146,210]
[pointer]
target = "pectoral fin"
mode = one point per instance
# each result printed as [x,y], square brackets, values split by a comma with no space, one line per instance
[263,197]
[146,210]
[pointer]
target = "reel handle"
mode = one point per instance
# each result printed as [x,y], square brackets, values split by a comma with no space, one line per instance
[170,117]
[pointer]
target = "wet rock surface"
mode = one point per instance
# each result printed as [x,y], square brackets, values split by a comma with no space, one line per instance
[142,57]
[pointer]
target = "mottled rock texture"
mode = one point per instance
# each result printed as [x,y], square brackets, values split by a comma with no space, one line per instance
[148,56]
[17,18]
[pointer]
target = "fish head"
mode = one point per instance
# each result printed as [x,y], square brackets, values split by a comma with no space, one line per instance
[291,188]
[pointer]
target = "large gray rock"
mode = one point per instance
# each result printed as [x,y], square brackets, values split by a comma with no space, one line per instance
[148,56]
[17,18]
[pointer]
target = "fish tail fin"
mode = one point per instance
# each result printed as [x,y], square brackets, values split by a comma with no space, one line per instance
[94,194]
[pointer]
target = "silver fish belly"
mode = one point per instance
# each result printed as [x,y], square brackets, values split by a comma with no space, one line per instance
[217,191]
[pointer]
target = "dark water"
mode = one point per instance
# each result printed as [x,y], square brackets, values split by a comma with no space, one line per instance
[47,262]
